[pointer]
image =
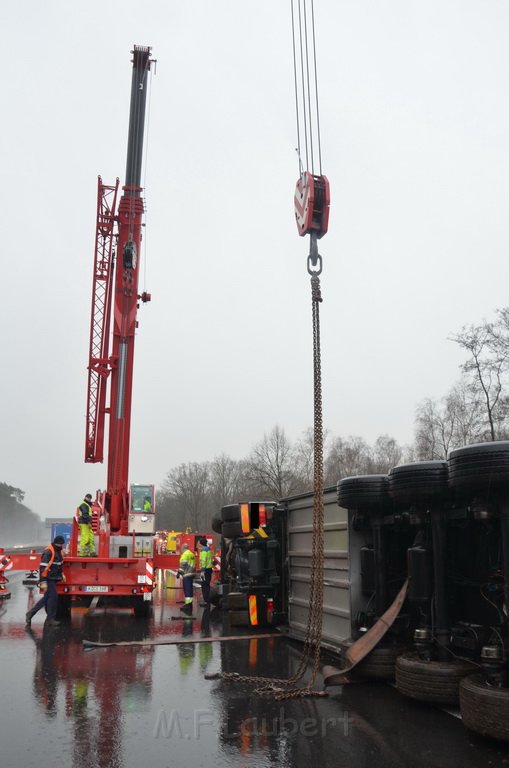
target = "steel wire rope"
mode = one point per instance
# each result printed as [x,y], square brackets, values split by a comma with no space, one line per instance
[308,87]
[316,89]
[296,87]
[303,88]
[305,59]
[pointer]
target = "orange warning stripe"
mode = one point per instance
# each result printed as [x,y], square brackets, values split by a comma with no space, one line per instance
[253,611]
[244,518]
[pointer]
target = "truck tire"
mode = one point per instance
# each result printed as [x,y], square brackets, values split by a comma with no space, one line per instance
[419,481]
[480,467]
[433,681]
[239,618]
[380,664]
[484,708]
[215,598]
[230,513]
[369,493]
[217,524]
[235,601]
[231,530]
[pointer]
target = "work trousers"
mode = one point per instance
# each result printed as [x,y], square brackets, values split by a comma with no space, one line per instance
[206,576]
[87,543]
[49,600]
[188,587]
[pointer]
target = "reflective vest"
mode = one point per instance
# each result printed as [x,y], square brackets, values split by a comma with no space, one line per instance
[85,515]
[187,561]
[51,568]
[205,558]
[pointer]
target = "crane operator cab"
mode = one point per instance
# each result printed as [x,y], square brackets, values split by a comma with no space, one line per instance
[141,509]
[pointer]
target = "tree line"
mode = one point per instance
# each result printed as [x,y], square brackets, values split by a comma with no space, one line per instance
[18,524]
[275,468]
[476,409]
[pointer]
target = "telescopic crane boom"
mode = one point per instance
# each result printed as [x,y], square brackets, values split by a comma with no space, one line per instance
[118,240]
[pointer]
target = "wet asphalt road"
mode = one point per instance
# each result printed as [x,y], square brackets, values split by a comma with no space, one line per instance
[130,707]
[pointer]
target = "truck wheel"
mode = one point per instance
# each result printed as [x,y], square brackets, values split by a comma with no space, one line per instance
[215,598]
[230,513]
[380,664]
[217,524]
[235,601]
[421,480]
[239,618]
[434,681]
[484,708]
[142,608]
[484,466]
[365,492]
[231,530]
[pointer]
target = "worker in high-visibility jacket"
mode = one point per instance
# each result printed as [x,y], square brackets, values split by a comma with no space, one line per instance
[187,569]
[50,572]
[86,546]
[205,569]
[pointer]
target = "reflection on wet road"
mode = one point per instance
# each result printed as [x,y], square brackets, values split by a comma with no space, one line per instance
[132,706]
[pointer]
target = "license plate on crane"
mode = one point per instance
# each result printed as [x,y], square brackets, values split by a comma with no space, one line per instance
[95,589]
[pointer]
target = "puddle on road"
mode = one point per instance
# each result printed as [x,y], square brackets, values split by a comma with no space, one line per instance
[130,706]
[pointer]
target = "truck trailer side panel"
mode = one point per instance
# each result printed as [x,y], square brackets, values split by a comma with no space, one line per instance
[336,595]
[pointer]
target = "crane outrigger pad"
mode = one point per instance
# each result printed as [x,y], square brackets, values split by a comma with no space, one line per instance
[365,644]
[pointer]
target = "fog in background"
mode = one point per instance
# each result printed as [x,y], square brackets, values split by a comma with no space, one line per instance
[415,126]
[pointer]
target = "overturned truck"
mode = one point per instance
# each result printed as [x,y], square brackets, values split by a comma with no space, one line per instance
[439,527]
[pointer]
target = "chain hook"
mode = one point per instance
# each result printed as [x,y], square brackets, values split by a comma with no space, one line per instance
[314,258]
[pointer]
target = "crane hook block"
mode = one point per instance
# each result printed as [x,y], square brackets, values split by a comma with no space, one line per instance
[312,202]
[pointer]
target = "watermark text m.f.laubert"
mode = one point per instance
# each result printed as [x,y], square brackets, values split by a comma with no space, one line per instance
[173,724]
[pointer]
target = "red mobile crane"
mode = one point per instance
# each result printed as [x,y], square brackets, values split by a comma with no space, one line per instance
[123,515]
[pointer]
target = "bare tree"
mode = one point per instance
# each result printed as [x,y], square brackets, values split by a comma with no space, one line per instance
[386,454]
[346,458]
[188,486]
[433,432]
[226,481]
[270,466]
[464,408]
[304,459]
[487,362]
[454,421]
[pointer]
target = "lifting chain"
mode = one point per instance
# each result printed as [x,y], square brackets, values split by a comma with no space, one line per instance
[282,689]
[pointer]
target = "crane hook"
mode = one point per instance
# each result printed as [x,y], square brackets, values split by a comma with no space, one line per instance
[314,258]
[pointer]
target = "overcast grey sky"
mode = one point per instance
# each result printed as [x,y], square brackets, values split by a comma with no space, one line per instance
[415,142]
